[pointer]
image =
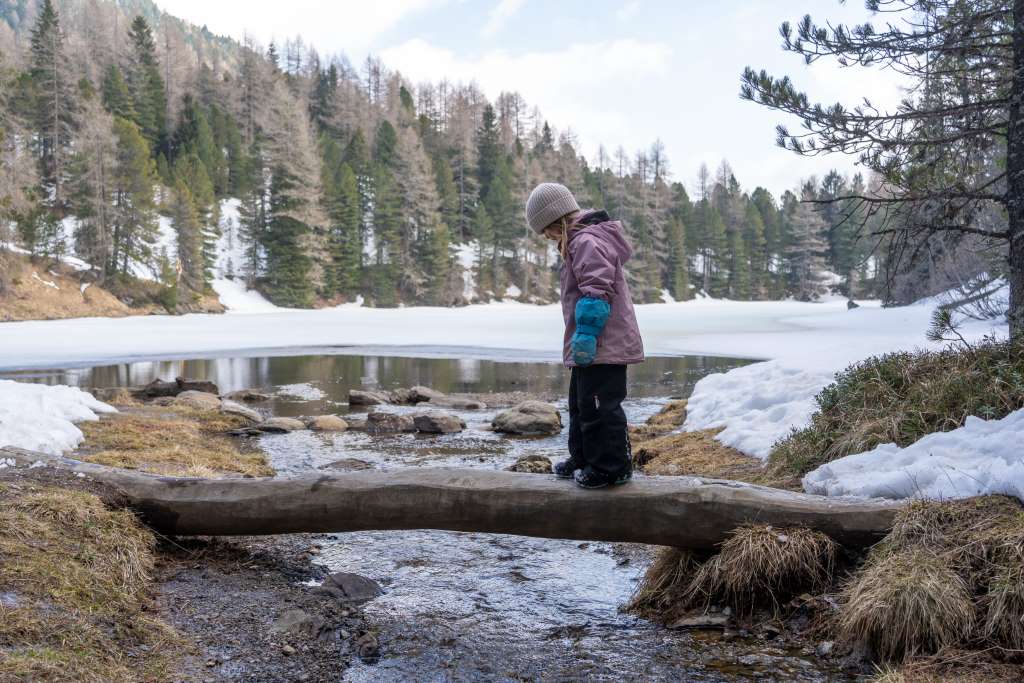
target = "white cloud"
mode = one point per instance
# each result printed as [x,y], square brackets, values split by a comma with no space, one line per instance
[500,14]
[350,27]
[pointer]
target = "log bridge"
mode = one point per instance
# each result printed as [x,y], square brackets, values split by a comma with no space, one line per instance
[687,512]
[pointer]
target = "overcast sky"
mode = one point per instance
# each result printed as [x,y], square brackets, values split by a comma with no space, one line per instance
[618,72]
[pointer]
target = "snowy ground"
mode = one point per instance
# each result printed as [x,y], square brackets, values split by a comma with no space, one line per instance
[41,418]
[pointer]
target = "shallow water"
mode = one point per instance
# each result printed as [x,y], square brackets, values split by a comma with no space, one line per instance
[465,606]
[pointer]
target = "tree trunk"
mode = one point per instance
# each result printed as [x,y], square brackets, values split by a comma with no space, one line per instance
[686,512]
[1015,178]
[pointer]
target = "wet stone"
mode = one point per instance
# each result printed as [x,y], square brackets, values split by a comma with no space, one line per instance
[420,394]
[529,418]
[368,398]
[532,464]
[436,422]
[346,587]
[347,465]
[202,385]
[200,400]
[280,425]
[389,423]
[457,403]
[701,621]
[326,423]
[247,396]
[233,408]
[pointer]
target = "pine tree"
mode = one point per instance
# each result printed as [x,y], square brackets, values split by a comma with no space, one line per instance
[678,273]
[147,86]
[116,98]
[191,267]
[92,167]
[805,253]
[754,248]
[341,201]
[287,265]
[54,105]
[133,209]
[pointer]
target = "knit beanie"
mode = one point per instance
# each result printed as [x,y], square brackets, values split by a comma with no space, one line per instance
[547,203]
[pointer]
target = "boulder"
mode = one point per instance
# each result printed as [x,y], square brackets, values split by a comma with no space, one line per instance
[400,396]
[368,398]
[348,465]
[420,394]
[531,464]
[247,396]
[389,423]
[326,423]
[350,588]
[299,622]
[158,387]
[702,621]
[197,399]
[457,403]
[280,425]
[436,422]
[233,408]
[197,385]
[529,418]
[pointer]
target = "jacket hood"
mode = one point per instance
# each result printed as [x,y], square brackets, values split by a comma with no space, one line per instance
[599,224]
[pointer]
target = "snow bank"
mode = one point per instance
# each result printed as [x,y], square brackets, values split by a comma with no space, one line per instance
[41,418]
[982,457]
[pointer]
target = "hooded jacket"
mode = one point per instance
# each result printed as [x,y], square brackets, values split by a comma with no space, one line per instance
[598,252]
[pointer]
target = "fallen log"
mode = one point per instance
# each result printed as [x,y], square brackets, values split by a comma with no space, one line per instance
[686,512]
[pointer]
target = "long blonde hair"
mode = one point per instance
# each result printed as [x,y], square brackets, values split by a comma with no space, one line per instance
[568,223]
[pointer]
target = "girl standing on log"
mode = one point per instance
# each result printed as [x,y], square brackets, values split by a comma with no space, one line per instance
[601,334]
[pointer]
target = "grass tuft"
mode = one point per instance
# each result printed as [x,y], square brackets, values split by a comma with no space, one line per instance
[76,577]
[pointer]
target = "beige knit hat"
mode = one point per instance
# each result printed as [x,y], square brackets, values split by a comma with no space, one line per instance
[547,203]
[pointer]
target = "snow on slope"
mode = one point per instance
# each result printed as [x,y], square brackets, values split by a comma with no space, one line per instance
[228,268]
[983,456]
[41,418]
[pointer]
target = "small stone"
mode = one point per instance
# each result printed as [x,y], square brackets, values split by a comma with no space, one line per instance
[389,423]
[347,587]
[368,398]
[824,648]
[529,418]
[701,621]
[298,622]
[199,400]
[233,408]
[420,394]
[456,403]
[347,465]
[247,396]
[202,385]
[280,425]
[211,662]
[436,422]
[327,423]
[729,635]
[288,649]
[531,464]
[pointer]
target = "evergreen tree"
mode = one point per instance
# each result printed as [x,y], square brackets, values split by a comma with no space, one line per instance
[116,98]
[191,267]
[53,106]
[147,86]
[133,210]
[341,199]
[287,265]
[805,253]
[678,273]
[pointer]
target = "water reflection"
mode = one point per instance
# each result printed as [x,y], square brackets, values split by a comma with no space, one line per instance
[335,375]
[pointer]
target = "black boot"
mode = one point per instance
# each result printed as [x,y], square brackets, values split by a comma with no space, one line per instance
[589,478]
[567,468]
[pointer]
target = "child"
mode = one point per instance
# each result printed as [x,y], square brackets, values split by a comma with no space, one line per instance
[601,334]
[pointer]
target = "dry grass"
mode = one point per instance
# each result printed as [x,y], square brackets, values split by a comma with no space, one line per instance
[947,576]
[907,603]
[758,565]
[670,417]
[696,453]
[172,441]
[78,577]
[951,666]
[900,397]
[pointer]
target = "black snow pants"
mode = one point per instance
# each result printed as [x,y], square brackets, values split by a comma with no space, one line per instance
[597,423]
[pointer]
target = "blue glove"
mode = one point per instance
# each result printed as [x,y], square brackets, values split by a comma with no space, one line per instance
[591,316]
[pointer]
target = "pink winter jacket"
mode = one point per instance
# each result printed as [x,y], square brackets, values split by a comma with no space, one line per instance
[598,251]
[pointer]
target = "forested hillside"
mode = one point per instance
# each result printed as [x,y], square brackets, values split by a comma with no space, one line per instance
[124,132]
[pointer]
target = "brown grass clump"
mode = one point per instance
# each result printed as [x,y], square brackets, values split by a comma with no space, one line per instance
[76,581]
[951,666]
[670,417]
[696,453]
[948,575]
[757,565]
[907,603]
[662,594]
[172,441]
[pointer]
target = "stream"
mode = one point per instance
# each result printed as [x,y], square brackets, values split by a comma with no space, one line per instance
[468,606]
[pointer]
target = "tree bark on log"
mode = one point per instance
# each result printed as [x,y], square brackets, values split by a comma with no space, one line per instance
[686,512]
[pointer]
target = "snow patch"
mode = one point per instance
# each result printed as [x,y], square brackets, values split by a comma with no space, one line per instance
[982,457]
[48,283]
[41,418]
[236,298]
